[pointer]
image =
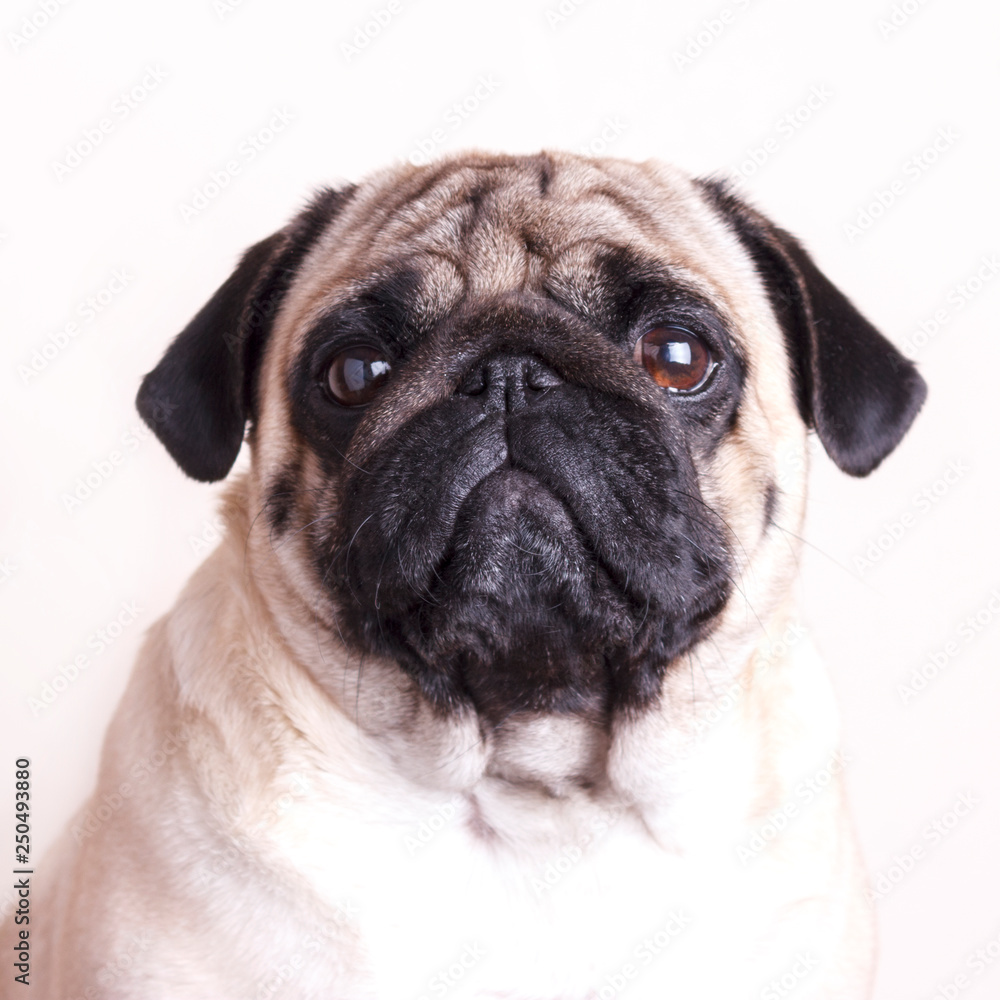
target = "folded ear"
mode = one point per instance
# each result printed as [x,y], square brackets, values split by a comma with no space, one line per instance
[853,386]
[198,399]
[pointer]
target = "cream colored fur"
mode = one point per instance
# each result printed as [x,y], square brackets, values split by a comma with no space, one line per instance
[298,824]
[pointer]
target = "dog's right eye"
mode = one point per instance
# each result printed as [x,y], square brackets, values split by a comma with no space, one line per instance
[356,374]
[675,358]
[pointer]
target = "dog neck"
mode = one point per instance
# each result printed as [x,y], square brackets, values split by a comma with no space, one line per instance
[310,707]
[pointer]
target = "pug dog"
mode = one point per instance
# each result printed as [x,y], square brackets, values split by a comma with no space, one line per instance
[495,687]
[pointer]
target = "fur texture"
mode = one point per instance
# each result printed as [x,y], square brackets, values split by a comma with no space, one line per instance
[494,682]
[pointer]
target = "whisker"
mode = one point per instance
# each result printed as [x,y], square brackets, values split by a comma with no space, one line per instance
[269,499]
[316,520]
[695,651]
[422,593]
[347,556]
[357,688]
[643,622]
[731,580]
[836,562]
[729,528]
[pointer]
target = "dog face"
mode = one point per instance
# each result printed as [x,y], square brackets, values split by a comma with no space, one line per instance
[529,430]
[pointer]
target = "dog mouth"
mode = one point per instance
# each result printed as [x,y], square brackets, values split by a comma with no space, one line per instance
[512,526]
[526,566]
[526,616]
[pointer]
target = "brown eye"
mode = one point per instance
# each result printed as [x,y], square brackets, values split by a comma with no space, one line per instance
[676,359]
[356,374]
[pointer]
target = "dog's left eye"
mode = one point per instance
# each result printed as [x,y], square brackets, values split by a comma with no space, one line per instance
[356,374]
[675,358]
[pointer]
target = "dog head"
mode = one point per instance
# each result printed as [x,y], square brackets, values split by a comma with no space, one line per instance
[529,429]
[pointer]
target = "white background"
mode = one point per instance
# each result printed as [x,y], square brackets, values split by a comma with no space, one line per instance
[881,95]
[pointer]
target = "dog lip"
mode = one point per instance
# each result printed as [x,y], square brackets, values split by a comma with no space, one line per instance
[502,497]
[517,481]
[496,473]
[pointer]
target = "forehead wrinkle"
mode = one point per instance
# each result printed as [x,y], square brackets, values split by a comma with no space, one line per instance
[514,236]
[688,238]
[574,273]
[499,260]
[429,209]
[448,198]
[573,278]
[389,211]
[495,232]
[636,214]
[442,286]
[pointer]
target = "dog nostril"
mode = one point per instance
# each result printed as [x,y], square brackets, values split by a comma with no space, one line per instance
[538,376]
[473,384]
[507,382]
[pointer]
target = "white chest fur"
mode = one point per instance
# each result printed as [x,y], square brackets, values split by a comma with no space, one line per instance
[416,860]
[503,892]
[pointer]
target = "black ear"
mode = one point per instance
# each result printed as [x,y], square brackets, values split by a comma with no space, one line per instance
[853,386]
[198,399]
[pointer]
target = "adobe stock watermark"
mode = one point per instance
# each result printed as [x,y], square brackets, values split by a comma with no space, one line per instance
[977,962]
[570,855]
[914,167]
[209,536]
[429,827]
[785,128]
[241,846]
[424,149]
[955,301]
[34,22]
[206,193]
[368,30]
[86,312]
[114,968]
[932,836]
[223,8]
[899,16]
[102,469]
[212,531]
[443,982]
[609,134]
[159,408]
[274,982]
[788,982]
[805,793]
[7,569]
[646,952]
[774,650]
[562,12]
[122,108]
[792,462]
[940,660]
[99,812]
[96,643]
[709,31]
[923,502]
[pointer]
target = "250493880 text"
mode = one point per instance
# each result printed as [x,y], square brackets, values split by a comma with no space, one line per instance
[22,873]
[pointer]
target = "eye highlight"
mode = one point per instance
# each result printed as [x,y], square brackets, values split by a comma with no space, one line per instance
[675,358]
[356,374]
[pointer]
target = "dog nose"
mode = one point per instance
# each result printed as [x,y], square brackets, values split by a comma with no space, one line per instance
[508,382]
